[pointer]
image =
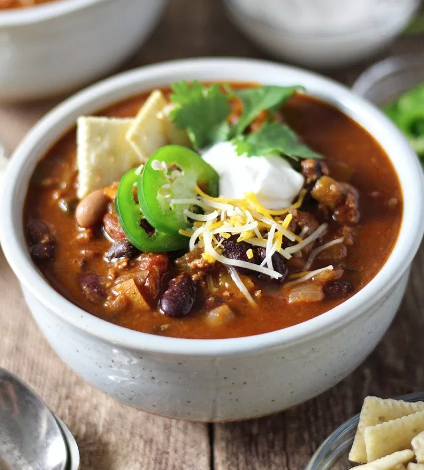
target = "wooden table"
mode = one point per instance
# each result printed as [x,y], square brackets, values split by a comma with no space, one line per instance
[114,437]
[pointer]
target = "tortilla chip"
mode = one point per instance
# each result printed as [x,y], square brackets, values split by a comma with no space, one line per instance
[418,448]
[389,462]
[147,134]
[415,466]
[392,436]
[375,411]
[175,136]
[103,154]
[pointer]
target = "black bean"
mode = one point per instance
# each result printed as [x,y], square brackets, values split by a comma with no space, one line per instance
[92,287]
[41,241]
[178,299]
[337,289]
[237,250]
[39,232]
[278,264]
[122,249]
[43,251]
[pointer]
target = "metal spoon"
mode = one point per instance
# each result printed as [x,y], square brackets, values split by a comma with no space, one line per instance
[31,438]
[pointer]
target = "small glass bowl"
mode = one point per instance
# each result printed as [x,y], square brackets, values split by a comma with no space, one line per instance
[385,81]
[333,453]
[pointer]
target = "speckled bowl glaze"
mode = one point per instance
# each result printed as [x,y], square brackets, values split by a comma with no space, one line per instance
[57,47]
[214,380]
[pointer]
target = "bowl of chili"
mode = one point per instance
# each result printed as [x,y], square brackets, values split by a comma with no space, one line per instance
[244,374]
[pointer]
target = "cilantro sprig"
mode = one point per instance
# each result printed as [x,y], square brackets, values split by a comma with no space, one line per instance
[273,137]
[256,100]
[203,112]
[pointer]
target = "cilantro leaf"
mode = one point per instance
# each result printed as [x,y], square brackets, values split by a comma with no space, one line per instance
[273,138]
[202,111]
[255,100]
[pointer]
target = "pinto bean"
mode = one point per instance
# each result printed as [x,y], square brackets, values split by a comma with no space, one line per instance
[122,249]
[178,299]
[92,287]
[337,289]
[91,209]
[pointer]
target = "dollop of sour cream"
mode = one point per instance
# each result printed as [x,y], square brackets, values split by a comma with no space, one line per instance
[270,177]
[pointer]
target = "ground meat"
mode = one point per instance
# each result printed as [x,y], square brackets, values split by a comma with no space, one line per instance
[312,170]
[156,265]
[340,198]
[302,222]
[347,233]
[347,210]
[212,301]
[112,227]
[194,264]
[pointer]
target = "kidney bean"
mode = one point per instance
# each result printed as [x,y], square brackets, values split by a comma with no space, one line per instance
[179,297]
[92,287]
[337,289]
[277,262]
[41,240]
[237,250]
[113,228]
[122,249]
[91,209]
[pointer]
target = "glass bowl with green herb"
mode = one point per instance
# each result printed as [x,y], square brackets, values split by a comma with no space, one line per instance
[396,85]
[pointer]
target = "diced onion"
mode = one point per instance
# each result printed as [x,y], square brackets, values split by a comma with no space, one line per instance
[309,276]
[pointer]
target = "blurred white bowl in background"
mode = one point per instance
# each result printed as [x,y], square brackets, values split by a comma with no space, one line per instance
[322,33]
[57,47]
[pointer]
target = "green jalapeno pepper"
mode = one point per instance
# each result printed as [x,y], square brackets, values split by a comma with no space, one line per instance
[172,173]
[130,217]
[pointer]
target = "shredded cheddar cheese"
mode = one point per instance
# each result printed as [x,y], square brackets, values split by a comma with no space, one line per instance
[252,223]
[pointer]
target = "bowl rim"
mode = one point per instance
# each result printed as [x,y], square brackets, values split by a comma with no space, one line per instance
[325,449]
[384,68]
[50,128]
[375,29]
[43,12]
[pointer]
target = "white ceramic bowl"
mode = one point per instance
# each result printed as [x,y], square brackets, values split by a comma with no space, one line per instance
[226,379]
[57,47]
[278,26]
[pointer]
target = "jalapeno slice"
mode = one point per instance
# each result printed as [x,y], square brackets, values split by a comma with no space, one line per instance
[130,217]
[173,173]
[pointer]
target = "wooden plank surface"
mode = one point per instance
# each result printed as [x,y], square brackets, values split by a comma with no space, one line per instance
[114,437]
